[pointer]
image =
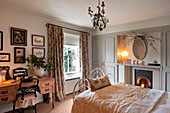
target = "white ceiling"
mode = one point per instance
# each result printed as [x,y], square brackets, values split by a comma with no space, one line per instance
[75,11]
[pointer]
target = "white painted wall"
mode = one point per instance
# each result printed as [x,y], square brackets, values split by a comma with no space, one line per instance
[156,22]
[34,24]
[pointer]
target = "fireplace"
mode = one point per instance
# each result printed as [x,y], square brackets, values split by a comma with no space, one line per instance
[143,78]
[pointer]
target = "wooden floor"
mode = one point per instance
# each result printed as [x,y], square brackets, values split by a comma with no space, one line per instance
[60,107]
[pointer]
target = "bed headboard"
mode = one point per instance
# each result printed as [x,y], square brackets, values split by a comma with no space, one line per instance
[80,86]
[96,73]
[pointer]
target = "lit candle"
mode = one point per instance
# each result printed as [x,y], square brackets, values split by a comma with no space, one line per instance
[124,56]
[142,85]
[103,4]
[89,7]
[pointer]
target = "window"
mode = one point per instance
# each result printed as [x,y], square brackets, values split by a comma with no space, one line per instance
[71,59]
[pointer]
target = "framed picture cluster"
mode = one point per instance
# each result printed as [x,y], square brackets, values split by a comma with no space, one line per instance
[38,40]
[4,57]
[19,38]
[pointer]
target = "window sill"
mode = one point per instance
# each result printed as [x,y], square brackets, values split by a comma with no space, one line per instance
[69,79]
[72,76]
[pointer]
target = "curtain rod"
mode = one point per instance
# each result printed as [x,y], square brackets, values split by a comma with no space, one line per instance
[68,28]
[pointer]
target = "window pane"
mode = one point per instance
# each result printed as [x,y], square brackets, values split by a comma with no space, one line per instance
[71,51]
[65,63]
[71,59]
[72,63]
[65,51]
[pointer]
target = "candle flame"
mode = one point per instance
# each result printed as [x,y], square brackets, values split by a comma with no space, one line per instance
[124,53]
[142,85]
[89,5]
[102,0]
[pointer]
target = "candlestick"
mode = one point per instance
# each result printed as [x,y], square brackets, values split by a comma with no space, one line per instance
[102,3]
[89,7]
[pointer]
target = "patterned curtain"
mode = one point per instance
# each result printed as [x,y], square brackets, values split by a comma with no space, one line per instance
[55,55]
[84,55]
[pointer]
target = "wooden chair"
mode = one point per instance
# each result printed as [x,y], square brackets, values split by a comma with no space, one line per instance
[20,72]
[28,97]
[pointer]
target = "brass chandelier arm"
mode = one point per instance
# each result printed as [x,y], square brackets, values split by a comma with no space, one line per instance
[98,2]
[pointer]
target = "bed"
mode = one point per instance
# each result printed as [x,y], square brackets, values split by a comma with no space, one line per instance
[121,98]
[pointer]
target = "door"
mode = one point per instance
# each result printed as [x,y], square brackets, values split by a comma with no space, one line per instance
[104,53]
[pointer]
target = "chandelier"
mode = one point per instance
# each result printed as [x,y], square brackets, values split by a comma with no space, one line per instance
[99,20]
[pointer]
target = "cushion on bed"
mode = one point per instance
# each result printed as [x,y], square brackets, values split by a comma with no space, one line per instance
[99,83]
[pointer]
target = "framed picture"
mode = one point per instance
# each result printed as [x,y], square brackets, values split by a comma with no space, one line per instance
[19,55]
[18,37]
[38,40]
[39,52]
[4,57]
[1,40]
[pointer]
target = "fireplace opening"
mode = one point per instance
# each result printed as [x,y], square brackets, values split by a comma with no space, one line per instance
[143,78]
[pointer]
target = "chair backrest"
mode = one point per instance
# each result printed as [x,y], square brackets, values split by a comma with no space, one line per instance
[31,89]
[20,72]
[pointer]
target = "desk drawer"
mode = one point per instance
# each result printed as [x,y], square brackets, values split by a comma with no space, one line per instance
[46,83]
[7,90]
[46,90]
[6,98]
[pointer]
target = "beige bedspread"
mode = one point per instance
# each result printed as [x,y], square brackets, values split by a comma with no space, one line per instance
[117,98]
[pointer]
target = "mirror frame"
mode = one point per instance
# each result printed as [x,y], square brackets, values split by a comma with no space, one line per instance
[142,38]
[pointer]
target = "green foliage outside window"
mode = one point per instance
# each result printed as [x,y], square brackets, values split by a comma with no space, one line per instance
[71,59]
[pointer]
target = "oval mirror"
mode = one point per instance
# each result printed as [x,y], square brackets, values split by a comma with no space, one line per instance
[139,48]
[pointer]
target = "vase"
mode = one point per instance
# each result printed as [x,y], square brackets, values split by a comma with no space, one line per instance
[39,71]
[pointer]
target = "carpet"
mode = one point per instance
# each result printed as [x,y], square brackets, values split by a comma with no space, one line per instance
[59,107]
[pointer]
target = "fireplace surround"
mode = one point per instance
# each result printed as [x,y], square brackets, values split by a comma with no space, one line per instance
[143,78]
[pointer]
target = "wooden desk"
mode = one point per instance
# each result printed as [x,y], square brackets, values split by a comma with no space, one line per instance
[8,91]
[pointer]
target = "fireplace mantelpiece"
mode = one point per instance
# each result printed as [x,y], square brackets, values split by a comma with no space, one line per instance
[141,66]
